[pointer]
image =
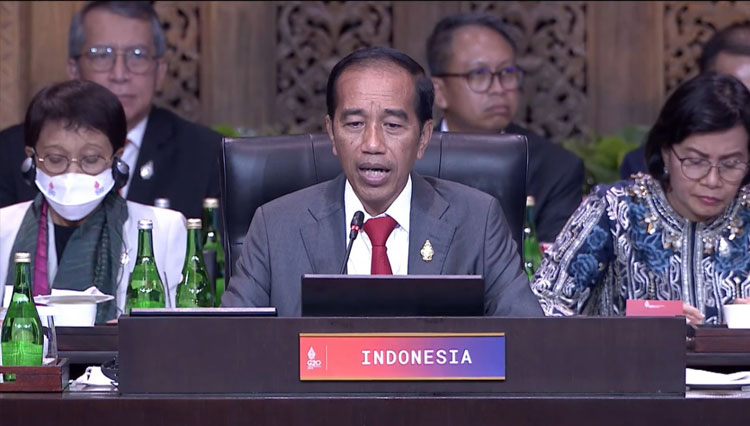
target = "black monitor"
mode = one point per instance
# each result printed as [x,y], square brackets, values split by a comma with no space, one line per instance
[203,312]
[392,295]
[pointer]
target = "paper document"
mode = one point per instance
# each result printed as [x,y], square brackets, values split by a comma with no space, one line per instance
[93,377]
[706,378]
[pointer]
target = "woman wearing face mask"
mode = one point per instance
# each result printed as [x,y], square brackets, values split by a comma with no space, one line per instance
[79,231]
[680,232]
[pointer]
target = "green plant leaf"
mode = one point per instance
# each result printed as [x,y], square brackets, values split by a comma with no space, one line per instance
[603,154]
[226,130]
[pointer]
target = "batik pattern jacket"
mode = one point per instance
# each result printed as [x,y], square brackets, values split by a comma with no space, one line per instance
[625,242]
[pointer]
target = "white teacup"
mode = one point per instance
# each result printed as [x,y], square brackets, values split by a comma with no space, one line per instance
[74,314]
[74,308]
[737,315]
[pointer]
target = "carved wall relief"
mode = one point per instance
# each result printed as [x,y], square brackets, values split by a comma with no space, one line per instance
[181,91]
[687,27]
[312,37]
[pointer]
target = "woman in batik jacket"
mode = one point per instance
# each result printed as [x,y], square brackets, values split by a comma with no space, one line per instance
[680,232]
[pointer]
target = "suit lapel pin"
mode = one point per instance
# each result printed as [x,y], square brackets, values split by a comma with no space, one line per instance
[427,252]
[147,170]
[124,258]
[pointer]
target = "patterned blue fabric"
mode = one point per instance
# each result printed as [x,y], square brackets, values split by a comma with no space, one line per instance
[738,258]
[596,251]
[626,242]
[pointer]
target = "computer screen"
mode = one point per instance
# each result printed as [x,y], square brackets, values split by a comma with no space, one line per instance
[392,295]
[206,312]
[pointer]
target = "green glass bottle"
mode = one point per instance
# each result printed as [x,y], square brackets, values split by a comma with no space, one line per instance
[195,290]
[145,289]
[212,241]
[22,337]
[532,254]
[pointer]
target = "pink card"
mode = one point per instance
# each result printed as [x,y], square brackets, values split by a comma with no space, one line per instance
[653,308]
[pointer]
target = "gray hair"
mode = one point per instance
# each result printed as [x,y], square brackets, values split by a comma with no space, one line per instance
[141,10]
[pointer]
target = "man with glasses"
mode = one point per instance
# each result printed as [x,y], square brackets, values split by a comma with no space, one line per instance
[477,86]
[121,46]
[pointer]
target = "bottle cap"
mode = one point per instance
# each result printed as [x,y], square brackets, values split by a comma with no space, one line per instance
[145,224]
[211,203]
[22,257]
[529,200]
[162,203]
[194,224]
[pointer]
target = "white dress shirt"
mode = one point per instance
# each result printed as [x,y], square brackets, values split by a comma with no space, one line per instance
[397,244]
[130,155]
[444,126]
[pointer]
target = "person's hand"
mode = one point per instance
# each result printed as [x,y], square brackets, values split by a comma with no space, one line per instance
[741,301]
[692,314]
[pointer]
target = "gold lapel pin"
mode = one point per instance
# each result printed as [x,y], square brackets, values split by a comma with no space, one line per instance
[427,252]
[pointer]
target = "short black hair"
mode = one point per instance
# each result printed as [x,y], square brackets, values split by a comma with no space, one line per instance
[710,102]
[425,93]
[439,42]
[77,104]
[734,39]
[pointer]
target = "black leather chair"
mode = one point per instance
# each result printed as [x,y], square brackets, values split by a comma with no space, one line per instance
[259,169]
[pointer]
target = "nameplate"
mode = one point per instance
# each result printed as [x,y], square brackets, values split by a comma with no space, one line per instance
[401,356]
[653,308]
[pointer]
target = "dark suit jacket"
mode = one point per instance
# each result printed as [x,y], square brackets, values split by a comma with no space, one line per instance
[13,189]
[555,178]
[634,162]
[304,232]
[184,156]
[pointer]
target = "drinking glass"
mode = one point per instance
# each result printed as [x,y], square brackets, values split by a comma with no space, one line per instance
[49,349]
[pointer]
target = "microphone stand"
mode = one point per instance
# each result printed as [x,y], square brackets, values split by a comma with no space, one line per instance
[355,226]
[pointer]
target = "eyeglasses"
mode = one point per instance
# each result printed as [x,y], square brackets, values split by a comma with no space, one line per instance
[90,164]
[480,80]
[102,58]
[695,168]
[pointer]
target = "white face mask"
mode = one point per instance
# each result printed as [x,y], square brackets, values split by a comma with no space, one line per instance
[74,195]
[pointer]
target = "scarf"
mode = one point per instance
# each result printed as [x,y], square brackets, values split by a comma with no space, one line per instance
[91,256]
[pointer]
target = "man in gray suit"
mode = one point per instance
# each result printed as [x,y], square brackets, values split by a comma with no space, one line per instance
[379,121]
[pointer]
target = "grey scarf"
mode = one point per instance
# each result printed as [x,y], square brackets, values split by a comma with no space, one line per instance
[91,256]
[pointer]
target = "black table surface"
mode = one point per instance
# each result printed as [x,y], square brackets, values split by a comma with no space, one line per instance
[111,409]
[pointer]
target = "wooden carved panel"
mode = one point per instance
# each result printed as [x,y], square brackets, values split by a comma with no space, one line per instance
[312,37]
[181,91]
[12,81]
[687,27]
[551,40]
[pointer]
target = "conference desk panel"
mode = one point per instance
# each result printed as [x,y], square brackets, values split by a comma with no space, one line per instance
[85,346]
[84,409]
[210,355]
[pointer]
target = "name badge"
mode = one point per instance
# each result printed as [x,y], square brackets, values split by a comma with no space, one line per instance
[401,356]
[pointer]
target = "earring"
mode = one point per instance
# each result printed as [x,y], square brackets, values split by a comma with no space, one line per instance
[666,170]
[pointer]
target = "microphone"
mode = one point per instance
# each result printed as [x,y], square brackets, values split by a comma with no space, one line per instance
[355,226]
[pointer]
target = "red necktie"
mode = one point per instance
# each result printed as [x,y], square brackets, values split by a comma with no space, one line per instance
[378,230]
